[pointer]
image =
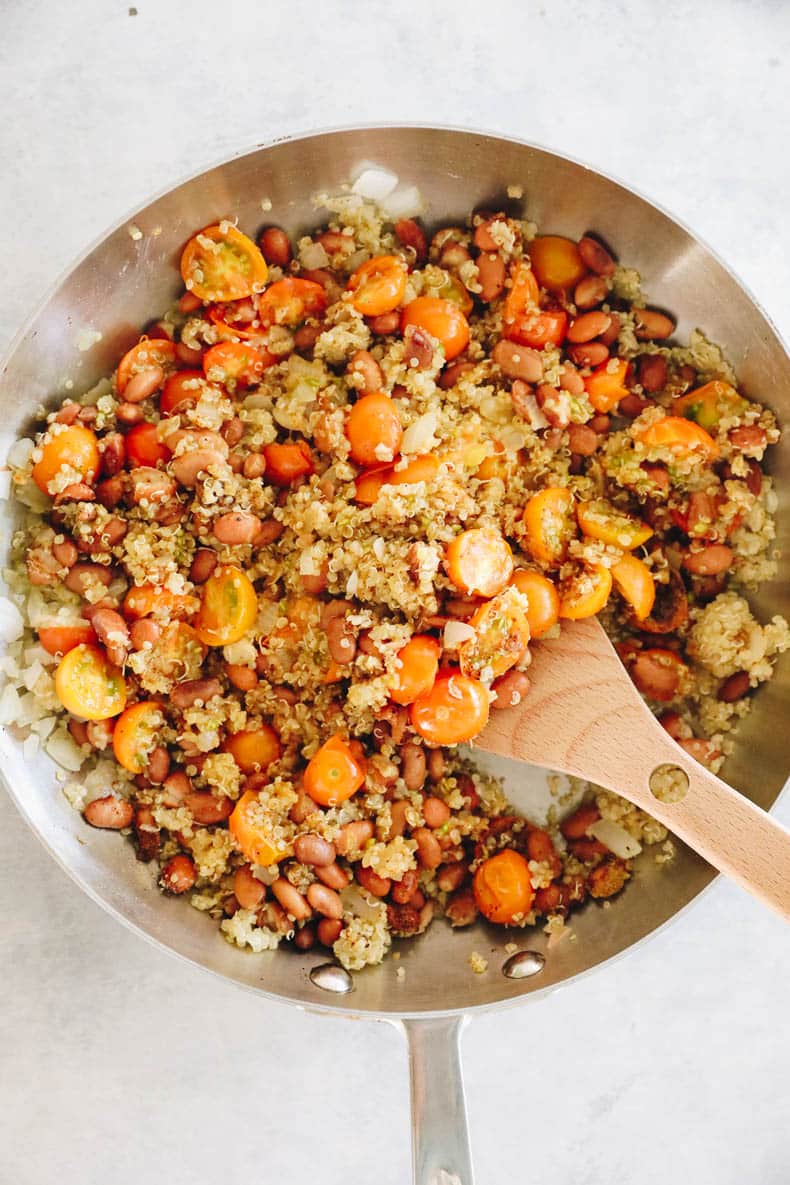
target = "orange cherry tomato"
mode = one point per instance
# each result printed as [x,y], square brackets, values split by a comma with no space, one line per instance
[253,749]
[538,329]
[709,403]
[152,600]
[378,285]
[88,685]
[635,584]
[502,635]
[454,291]
[606,385]
[135,733]
[228,608]
[286,463]
[543,608]
[682,437]
[143,447]
[226,267]
[443,319]
[148,352]
[523,295]
[556,263]
[599,520]
[291,301]
[238,361]
[179,651]
[181,390]
[335,773]
[586,593]
[60,639]
[549,524]
[454,710]
[479,562]
[254,832]
[419,663]
[374,429]
[369,484]
[503,889]
[74,447]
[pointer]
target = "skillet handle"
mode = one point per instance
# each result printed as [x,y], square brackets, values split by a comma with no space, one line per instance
[440,1136]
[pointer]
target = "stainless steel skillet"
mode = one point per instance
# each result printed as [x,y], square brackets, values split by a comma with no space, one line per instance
[116,287]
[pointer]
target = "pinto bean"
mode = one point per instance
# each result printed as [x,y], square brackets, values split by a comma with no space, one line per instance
[306,336]
[652,372]
[590,291]
[418,348]
[453,255]
[555,404]
[158,765]
[275,246]
[325,901]
[243,678]
[314,850]
[79,731]
[193,691]
[113,456]
[491,273]
[188,467]
[588,326]
[208,808]
[595,256]
[609,337]
[654,678]
[129,414]
[113,632]
[354,836]
[188,355]
[248,890]
[109,812]
[429,852]
[68,413]
[204,561]
[435,812]
[99,733]
[305,937]
[518,362]
[364,367]
[78,491]
[398,818]
[232,431]
[410,234]
[385,323]
[510,689]
[582,439]
[404,889]
[328,931]
[65,553]
[254,466]
[179,874]
[82,576]
[576,825]
[710,561]
[110,492]
[371,882]
[461,909]
[734,688]
[632,406]
[571,380]
[452,373]
[333,875]
[588,353]
[144,632]
[177,787]
[150,485]
[236,527]
[413,765]
[273,916]
[143,384]
[436,764]
[340,640]
[652,325]
[146,833]
[450,877]
[269,531]
[749,438]
[291,899]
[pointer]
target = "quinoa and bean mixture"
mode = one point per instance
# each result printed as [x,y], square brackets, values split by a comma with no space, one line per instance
[288,557]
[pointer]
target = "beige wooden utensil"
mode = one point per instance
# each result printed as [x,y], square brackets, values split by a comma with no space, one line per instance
[583,716]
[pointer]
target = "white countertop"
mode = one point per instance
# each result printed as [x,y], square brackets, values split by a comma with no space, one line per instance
[121,1065]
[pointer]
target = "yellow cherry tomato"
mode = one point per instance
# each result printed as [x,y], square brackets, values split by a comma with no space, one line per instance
[334,773]
[682,437]
[708,403]
[543,600]
[599,520]
[134,735]
[634,581]
[454,710]
[556,263]
[253,832]
[88,685]
[503,889]
[606,385]
[419,663]
[253,749]
[501,637]
[586,593]
[220,263]
[228,607]
[378,285]
[479,562]
[74,447]
[549,523]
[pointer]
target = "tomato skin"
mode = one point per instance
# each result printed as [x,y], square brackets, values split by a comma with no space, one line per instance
[605,388]
[549,524]
[369,484]
[708,403]
[479,562]
[147,353]
[181,390]
[232,270]
[543,610]
[523,294]
[503,889]
[373,427]
[419,666]
[60,639]
[585,594]
[502,636]
[538,329]
[600,521]
[634,581]
[253,749]
[684,438]
[256,846]
[442,319]
[144,448]
[286,463]
[378,285]
[335,773]
[74,446]
[88,685]
[454,710]
[228,607]
[291,301]
[133,735]
[556,263]
[238,361]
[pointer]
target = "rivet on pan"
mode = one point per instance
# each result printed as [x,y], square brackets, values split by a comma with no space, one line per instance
[523,964]
[331,978]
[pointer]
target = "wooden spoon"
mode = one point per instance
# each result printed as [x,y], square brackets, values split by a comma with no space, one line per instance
[583,716]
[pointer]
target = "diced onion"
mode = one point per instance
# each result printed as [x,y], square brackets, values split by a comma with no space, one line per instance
[62,749]
[404,202]
[419,436]
[615,838]
[374,183]
[19,453]
[456,632]
[11,621]
[313,255]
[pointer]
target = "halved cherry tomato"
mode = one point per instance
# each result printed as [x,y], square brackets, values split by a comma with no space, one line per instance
[378,285]
[286,463]
[586,593]
[556,263]
[253,749]
[543,609]
[442,319]
[254,834]
[143,447]
[419,663]
[148,352]
[550,526]
[181,390]
[75,447]
[335,773]
[682,437]
[454,291]
[503,889]
[606,385]
[369,484]
[220,263]
[599,520]
[152,600]
[709,403]
[374,429]
[228,607]
[238,361]
[479,562]
[634,581]
[502,635]
[523,295]
[179,652]
[454,710]
[291,301]
[60,639]
[134,735]
[235,321]
[88,685]
[539,328]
